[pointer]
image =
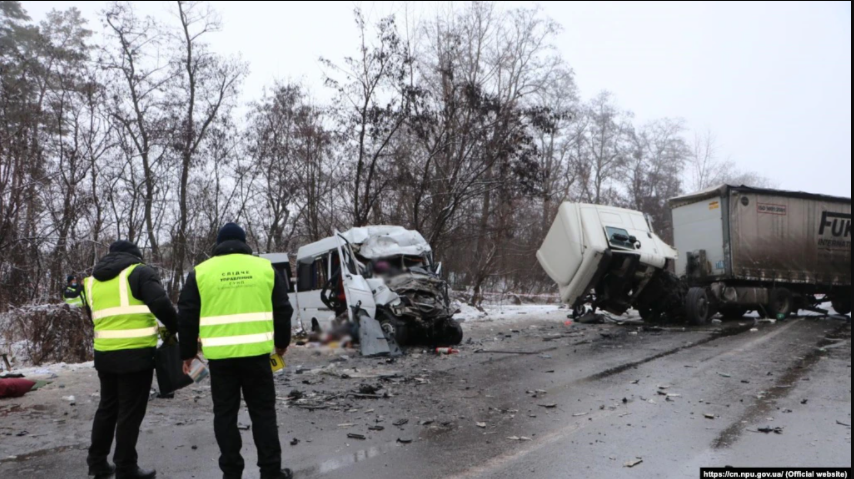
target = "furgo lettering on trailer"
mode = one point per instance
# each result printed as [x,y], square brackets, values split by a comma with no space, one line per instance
[838,224]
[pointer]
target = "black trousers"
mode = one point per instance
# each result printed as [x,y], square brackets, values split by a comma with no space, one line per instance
[254,377]
[124,400]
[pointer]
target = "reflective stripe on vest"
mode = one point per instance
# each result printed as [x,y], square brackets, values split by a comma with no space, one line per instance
[121,321]
[74,301]
[236,317]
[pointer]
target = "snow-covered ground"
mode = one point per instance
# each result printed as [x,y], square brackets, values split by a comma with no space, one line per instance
[491,312]
[53,370]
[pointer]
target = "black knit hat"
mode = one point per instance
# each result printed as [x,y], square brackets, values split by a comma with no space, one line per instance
[229,232]
[123,246]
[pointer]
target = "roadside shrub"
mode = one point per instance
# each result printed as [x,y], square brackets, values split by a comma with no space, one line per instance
[48,334]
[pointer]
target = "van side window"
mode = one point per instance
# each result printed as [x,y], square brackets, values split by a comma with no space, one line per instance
[284,269]
[312,276]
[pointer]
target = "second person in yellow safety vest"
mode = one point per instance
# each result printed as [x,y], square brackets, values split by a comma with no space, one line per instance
[125,299]
[237,304]
[73,292]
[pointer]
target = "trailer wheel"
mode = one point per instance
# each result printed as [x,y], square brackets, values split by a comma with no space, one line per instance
[842,305]
[782,303]
[698,306]
[734,312]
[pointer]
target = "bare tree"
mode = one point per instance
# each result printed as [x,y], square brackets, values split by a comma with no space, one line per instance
[204,83]
[138,97]
[707,169]
[375,102]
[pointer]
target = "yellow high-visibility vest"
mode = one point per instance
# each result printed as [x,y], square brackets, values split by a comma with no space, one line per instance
[236,319]
[121,321]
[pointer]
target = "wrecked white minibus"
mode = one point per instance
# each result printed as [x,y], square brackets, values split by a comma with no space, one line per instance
[384,273]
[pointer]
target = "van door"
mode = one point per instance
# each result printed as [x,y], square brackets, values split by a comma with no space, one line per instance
[355,285]
[361,305]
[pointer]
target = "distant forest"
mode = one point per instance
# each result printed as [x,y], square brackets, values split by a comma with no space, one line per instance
[468,128]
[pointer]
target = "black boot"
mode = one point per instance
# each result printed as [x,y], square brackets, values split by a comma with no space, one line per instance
[104,471]
[284,474]
[137,474]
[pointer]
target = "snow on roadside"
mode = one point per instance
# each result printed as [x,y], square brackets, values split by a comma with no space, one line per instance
[470,314]
[48,371]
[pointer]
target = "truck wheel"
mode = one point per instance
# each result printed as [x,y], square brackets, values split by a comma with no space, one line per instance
[842,305]
[733,312]
[782,303]
[396,329]
[698,306]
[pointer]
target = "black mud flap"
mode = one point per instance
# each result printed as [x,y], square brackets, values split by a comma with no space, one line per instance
[373,339]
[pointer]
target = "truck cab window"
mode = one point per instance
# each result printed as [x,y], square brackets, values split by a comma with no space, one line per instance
[619,238]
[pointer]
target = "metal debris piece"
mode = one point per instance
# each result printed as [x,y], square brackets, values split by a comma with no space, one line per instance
[634,463]
[358,437]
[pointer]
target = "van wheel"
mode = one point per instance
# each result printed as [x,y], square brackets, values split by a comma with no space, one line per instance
[397,329]
[452,334]
[842,305]
[698,306]
[782,303]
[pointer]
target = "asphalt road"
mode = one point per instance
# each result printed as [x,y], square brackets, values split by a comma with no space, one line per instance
[528,398]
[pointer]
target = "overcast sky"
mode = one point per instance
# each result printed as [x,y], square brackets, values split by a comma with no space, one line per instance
[771,80]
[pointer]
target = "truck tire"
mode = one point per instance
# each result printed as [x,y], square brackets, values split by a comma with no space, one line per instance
[734,312]
[842,305]
[782,303]
[698,306]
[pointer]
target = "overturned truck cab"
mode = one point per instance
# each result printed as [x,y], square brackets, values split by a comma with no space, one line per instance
[611,259]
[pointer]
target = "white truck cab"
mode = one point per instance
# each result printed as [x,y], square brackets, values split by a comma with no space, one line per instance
[606,256]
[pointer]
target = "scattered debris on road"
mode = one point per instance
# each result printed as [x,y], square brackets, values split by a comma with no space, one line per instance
[769,430]
[634,463]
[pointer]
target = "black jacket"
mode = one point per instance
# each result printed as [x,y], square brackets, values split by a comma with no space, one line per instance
[71,292]
[190,305]
[145,286]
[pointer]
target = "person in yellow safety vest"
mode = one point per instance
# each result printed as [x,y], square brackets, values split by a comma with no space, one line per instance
[237,304]
[73,292]
[125,299]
